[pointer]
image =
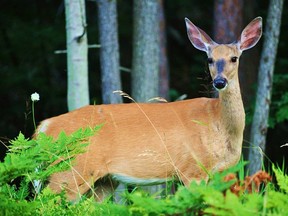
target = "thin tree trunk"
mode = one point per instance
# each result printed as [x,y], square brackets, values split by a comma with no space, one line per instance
[228,20]
[265,81]
[146,51]
[146,55]
[77,51]
[109,51]
[164,65]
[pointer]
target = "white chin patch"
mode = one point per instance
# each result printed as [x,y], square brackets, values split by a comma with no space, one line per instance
[219,90]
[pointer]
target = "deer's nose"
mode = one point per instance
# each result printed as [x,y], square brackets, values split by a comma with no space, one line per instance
[220,83]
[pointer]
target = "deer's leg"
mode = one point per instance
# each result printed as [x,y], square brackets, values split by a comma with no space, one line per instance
[104,188]
[74,183]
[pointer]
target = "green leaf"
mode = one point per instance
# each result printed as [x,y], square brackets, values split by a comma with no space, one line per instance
[282,179]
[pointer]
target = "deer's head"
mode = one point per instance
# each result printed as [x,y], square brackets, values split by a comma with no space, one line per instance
[223,59]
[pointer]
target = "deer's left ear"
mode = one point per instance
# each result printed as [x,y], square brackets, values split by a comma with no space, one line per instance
[251,34]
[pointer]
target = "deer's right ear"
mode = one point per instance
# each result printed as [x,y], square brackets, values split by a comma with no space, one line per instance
[199,39]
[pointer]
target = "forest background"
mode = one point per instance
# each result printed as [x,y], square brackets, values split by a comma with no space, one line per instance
[31,33]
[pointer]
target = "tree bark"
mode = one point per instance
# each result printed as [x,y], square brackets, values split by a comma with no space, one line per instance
[164,76]
[77,54]
[265,81]
[146,56]
[228,20]
[109,51]
[146,51]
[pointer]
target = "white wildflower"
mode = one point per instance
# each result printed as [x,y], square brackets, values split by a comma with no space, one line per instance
[35,97]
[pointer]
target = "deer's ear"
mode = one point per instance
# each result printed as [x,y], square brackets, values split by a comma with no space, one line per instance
[251,34]
[199,39]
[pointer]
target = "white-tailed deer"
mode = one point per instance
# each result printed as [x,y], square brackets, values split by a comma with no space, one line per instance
[144,144]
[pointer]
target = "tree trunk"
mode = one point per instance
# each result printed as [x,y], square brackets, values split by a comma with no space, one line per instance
[109,51]
[146,51]
[227,20]
[77,53]
[265,81]
[146,55]
[164,65]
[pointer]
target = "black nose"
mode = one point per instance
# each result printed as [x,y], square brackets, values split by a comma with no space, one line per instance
[219,83]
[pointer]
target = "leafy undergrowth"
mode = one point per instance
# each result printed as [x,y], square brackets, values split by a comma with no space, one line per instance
[227,193]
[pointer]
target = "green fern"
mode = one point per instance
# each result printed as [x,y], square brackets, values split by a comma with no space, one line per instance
[282,179]
[37,159]
[276,202]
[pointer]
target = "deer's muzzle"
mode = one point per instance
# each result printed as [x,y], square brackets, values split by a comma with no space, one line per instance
[220,83]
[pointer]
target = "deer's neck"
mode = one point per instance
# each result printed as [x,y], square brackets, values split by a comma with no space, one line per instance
[232,113]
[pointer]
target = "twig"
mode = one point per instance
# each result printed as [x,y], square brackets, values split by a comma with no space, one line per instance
[92,46]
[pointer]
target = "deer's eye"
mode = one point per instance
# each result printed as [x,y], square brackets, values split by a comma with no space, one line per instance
[234,59]
[210,61]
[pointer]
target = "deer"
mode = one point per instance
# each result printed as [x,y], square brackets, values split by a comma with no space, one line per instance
[152,143]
